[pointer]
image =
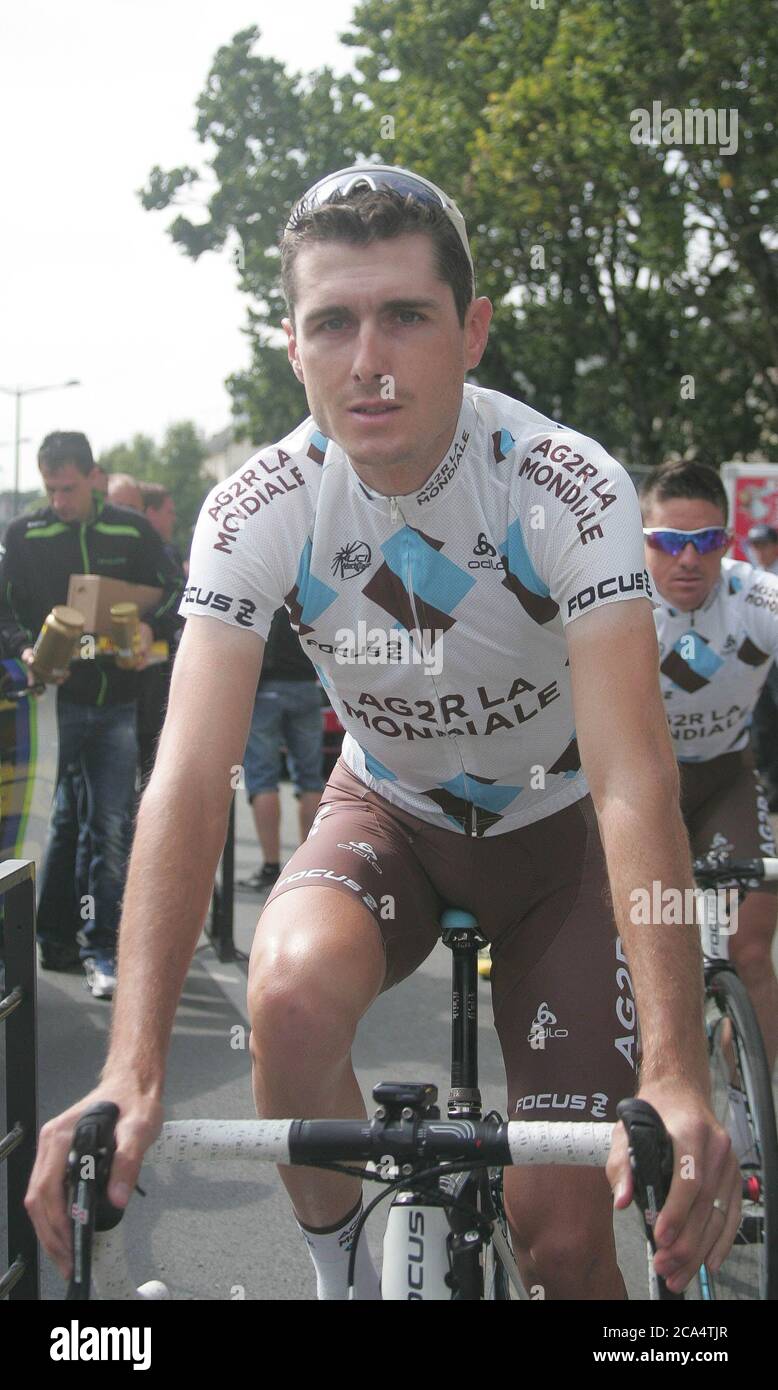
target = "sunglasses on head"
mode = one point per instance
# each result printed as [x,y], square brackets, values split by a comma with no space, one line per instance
[375,176]
[704,540]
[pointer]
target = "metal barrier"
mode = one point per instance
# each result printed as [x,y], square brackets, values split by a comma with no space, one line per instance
[220,930]
[17,1011]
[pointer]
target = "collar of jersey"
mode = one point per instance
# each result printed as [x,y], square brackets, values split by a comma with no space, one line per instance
[703,608]
[418,504]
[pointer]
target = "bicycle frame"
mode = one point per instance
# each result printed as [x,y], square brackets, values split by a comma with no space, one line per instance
[432,1246]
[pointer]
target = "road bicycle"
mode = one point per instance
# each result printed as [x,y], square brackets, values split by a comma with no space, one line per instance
[447,1235]
[741,1085]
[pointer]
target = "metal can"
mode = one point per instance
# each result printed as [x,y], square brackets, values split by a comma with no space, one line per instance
[125,634]
[57,642]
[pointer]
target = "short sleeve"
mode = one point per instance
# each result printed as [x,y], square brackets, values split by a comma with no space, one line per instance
[582,524]
[250,533]
[760,608]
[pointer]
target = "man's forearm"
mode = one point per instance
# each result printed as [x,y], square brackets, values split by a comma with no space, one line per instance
[179,838]
[646,843]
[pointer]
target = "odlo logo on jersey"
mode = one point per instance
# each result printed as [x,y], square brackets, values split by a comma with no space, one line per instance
[364,850]
[486,555]
[543,1027]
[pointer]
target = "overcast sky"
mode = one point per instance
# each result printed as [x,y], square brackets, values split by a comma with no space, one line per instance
[93,93]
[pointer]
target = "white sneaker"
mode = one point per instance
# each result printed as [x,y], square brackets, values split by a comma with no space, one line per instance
[100,976]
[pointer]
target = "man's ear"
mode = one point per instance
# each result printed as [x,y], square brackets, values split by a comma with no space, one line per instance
[291,350]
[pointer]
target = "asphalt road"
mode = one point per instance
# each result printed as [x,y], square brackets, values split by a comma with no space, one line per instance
[230,1233]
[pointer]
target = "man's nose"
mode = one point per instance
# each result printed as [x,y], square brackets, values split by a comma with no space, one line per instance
[689,554]
[369,359]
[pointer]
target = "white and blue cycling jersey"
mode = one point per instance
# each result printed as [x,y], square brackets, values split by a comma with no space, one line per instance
[436,620]
[714,660]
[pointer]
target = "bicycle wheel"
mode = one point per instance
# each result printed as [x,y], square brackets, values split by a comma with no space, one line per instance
[502,1281]
[742,1100]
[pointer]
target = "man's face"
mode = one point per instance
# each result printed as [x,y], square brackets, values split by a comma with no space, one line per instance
[686,579]
[375,326]
[765,554]
[163,519]
[69,491]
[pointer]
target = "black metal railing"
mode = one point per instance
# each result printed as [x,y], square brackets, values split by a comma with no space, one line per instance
[21,1280]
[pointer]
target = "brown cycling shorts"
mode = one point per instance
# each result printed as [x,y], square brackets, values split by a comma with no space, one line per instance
[725,809]
[562,994]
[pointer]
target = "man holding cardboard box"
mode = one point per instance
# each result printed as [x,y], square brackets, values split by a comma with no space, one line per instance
[47,555]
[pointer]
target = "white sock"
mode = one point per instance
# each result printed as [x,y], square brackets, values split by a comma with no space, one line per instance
[329,1249]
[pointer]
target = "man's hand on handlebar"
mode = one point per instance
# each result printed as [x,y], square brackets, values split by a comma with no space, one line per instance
[690,1229]
[140,1121]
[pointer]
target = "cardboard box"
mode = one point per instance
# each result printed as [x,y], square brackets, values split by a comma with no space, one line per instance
[93,595]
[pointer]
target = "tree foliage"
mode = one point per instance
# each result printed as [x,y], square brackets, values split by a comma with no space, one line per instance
[635,284]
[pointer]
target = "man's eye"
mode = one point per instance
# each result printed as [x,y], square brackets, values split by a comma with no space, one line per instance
[408,314]
[336,321]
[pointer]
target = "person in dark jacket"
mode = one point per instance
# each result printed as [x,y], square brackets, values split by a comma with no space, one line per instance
[81,533]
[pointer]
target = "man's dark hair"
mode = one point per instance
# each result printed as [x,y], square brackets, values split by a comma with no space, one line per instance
[64,447]
[368,215]
[692,481]
[153,494]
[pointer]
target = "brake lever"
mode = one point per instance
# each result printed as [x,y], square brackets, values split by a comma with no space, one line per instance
[89,1167]
[651,1159]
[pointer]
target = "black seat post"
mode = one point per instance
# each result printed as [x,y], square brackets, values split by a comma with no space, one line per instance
[460,934]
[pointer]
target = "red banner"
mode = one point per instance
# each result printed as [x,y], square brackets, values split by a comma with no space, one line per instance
[755,503]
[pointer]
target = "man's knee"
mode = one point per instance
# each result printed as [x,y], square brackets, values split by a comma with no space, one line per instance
[751,945]
[563,1226]
[316,966]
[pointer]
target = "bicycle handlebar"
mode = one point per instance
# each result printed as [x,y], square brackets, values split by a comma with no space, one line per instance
[735,870]
[413,1141]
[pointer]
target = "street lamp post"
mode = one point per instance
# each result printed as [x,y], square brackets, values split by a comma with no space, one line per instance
[17,392]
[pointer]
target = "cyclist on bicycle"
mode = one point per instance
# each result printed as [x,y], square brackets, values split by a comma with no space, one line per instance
[486,753]
[717,624]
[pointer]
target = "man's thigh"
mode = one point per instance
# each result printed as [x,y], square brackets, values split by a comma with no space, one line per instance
[323,950]
[725,809]
[365,855]
[563,998]
[72,732]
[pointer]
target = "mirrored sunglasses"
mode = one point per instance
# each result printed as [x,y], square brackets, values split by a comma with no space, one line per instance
[705,540]
[377,176]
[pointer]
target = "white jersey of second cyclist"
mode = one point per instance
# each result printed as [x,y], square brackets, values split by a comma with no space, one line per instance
[525,525]
[713,661]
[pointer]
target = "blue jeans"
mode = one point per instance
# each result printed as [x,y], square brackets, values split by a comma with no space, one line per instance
[102,746]
[286,713]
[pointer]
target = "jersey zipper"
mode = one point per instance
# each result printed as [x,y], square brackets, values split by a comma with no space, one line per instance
[470,819]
